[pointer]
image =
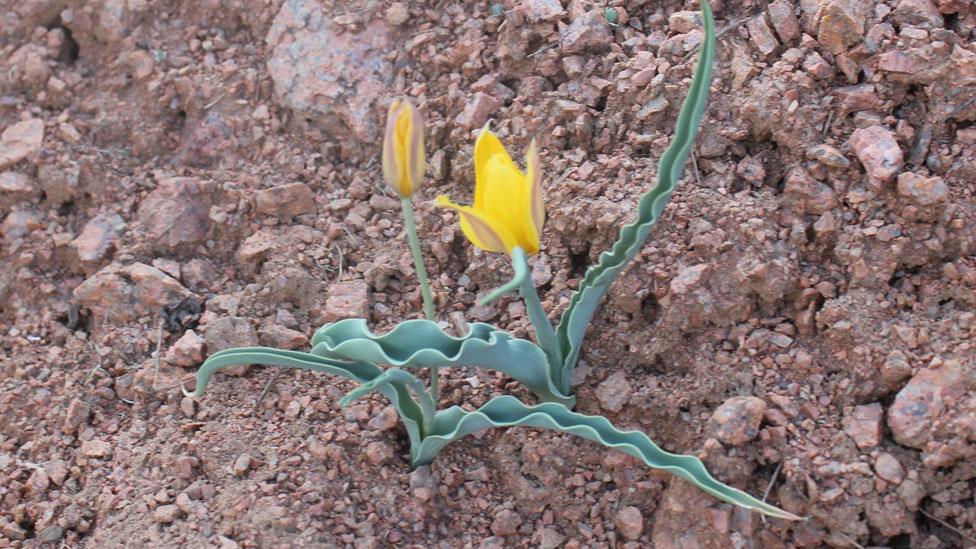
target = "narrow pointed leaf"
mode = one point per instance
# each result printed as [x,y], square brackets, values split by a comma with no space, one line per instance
[506,411]
[423,344]
[598,278]
[361,372]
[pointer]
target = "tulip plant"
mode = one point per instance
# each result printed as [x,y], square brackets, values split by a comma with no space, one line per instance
[507,217]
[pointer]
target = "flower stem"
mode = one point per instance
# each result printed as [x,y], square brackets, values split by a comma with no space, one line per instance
[418,262]
[544,333]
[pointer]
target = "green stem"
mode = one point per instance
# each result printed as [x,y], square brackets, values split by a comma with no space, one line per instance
[418,262]
[544,333]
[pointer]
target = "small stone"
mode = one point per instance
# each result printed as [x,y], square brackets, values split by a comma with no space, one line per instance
[184,503]
[689,279]
[808,194]
[119,293]
[254,250]
[863,425]
[921,402]
[39,482]
[903,62]
[493,542]
[96,448]
[385,420]
[751,169]
[506,523]
[878,152]
[165,514]
[378,452]
[737,420]
[422,493]
[630,522]
[286,201]
[274,335]
[187,351]
[177,213]
[841,24]
[51,534]
[828,156]
[242,464]
[590,31]
[550,538]
[16,187]
[894,370]
[784,20]
[537,11]
[188,407]
[78,413]
[614,392]
[348,299]
[817,66]
[397,14]
[861,97]
[57,471]
[481,107]
[917,13]
[13,531]
[888,468]
[198,274]
[683,22]
[923,191]
[762,36]
[21,140]
[98,239]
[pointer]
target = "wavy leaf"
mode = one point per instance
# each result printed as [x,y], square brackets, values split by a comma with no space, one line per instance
[394,377]
[506,411]
[410,412]
[423,344]
[598,278]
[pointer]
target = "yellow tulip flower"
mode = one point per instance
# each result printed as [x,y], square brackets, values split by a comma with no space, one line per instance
[508,211]
[403,148]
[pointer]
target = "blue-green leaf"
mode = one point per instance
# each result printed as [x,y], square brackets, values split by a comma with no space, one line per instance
[598,278]
[410,412]
[505,411]
[423,344]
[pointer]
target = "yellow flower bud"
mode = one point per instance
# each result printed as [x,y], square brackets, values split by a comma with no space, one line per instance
[508,210]
[403,148]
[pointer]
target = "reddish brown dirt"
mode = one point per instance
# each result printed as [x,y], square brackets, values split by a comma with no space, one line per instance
[802,318]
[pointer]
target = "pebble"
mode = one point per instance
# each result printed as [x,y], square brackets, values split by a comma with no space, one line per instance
[78,413]
[807,194]
[922,401]
[841,24]
[917,13]
[683,22]
[187,351]
[784,20]
[923,191]
[347,299]
[537,11]
[762,36]
[177,213]
[165,514]
[888,468]
[13,531]
[21,140]
[506,523]
[384,420]
[285,201]
[630,522]
[378,452]
[273,335]
[737,420]
[828,156]
[15,187]
[242,464]
[227,332]
[878,152]
[397,14]
[863,425]
[96,448]
[588,32]
[481,107]
[614,392]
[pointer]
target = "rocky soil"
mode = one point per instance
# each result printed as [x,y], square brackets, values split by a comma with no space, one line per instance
[178,177]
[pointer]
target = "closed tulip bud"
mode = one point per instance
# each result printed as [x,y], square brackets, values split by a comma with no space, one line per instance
[403,148]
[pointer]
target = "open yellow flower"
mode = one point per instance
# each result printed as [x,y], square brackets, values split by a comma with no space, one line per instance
[508,209]
[403,148]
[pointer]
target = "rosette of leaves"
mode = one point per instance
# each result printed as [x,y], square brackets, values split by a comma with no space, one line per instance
[350,350]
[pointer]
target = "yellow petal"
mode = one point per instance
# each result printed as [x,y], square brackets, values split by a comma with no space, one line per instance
[506,200]
[391,160]
[486,147]
[483,231]
[415,153]
[403,147]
